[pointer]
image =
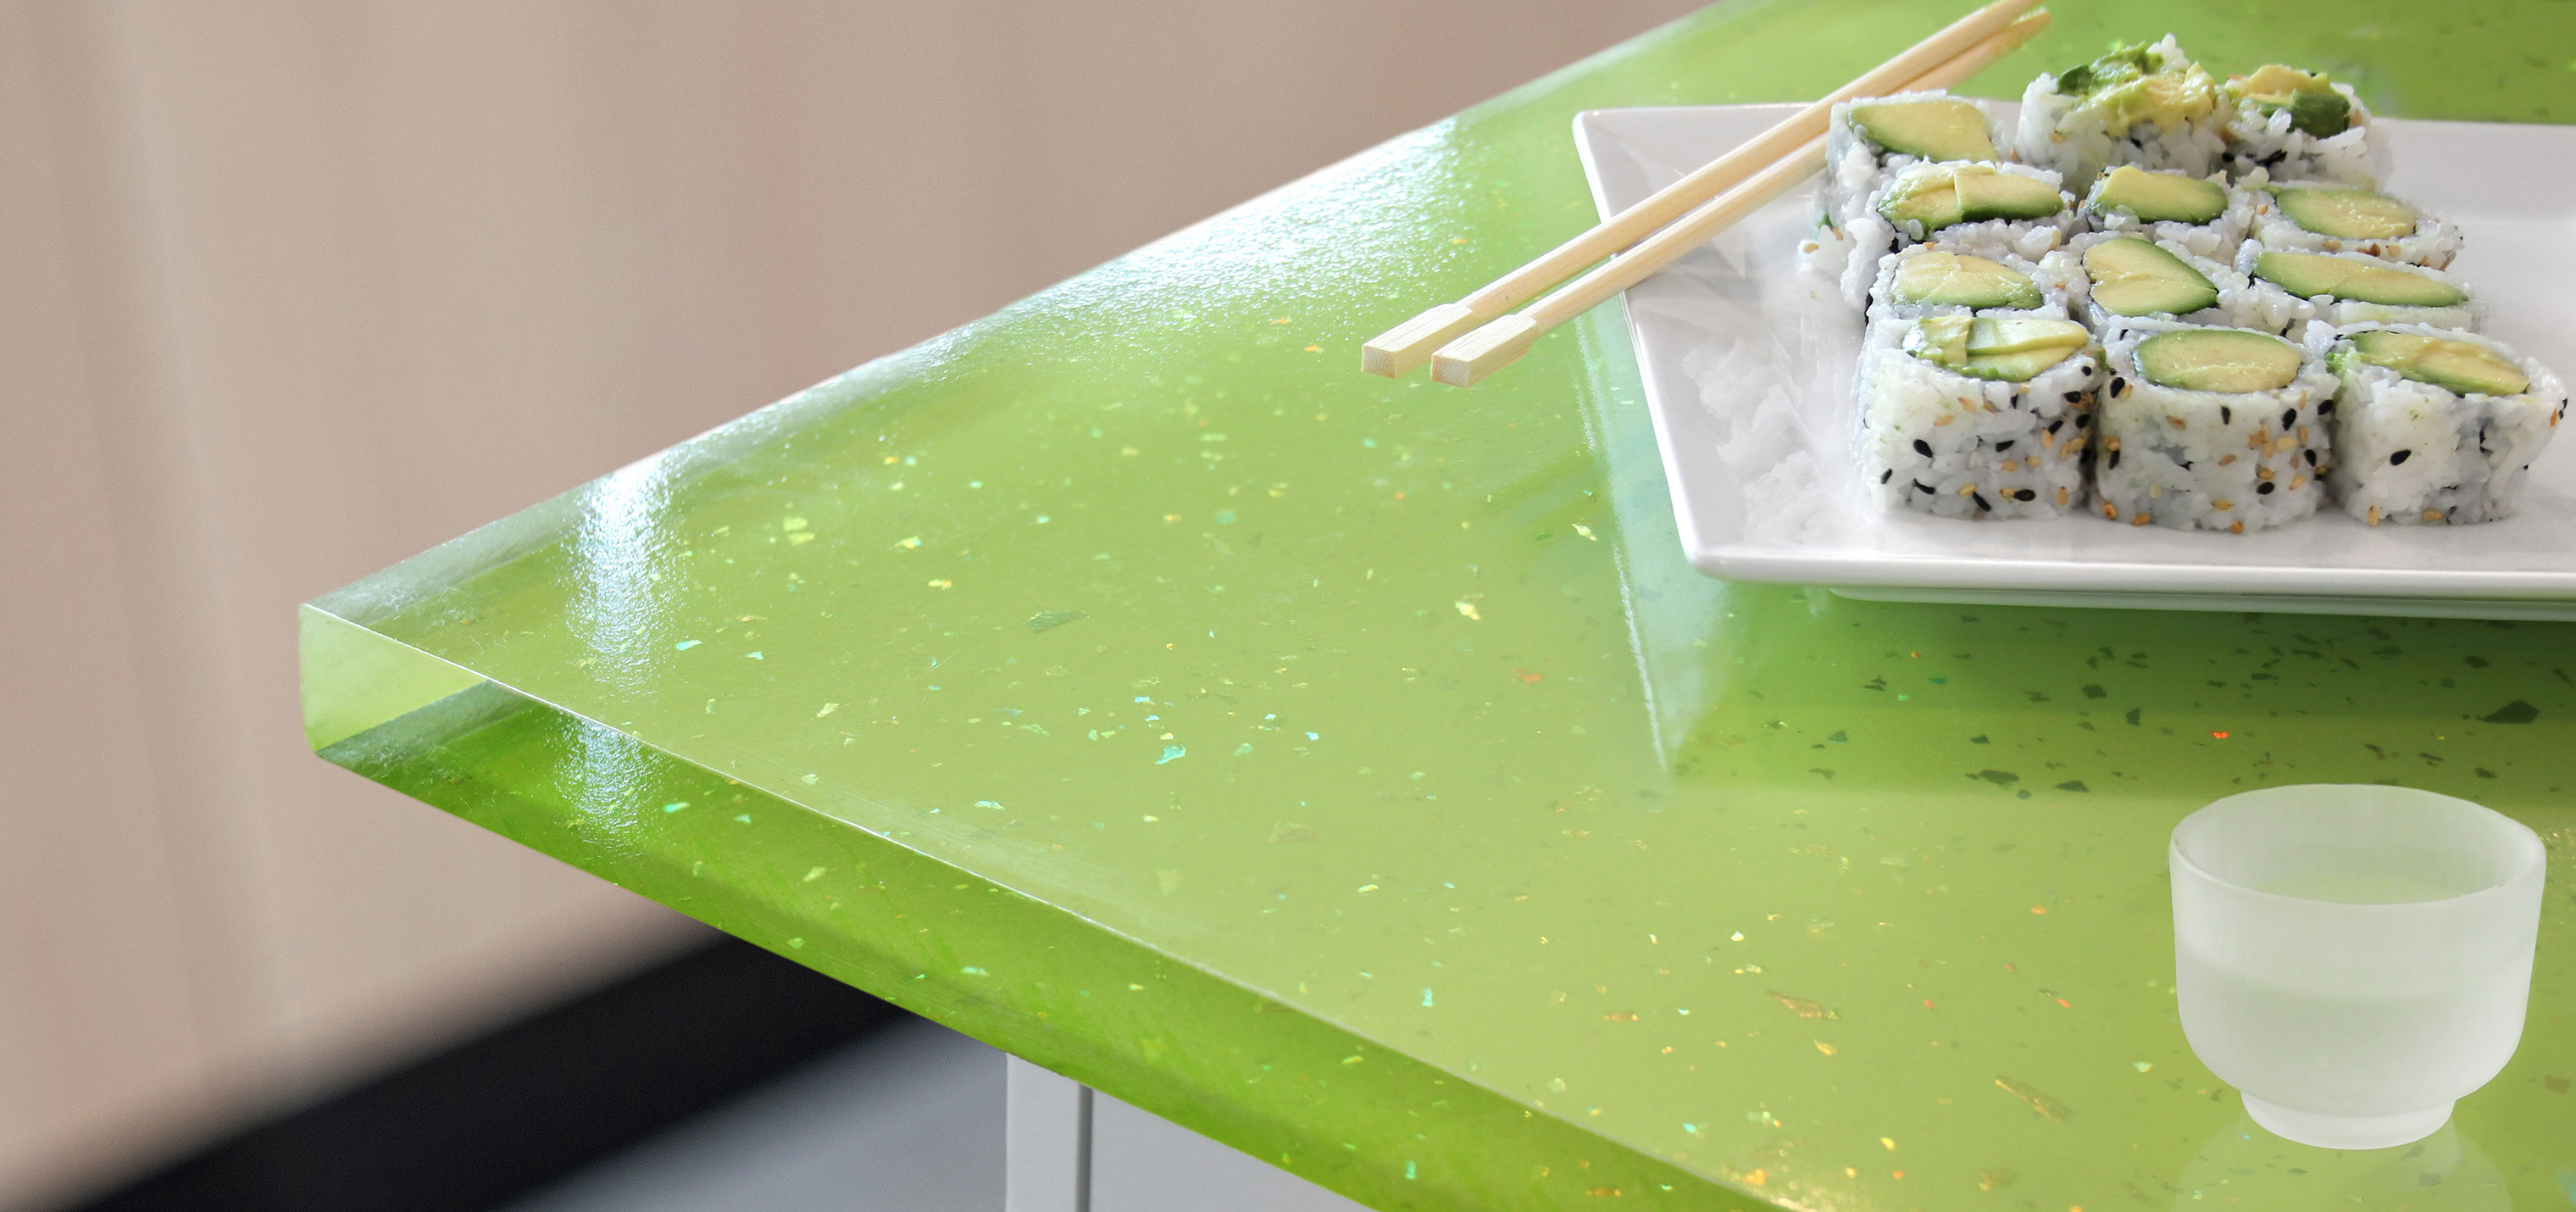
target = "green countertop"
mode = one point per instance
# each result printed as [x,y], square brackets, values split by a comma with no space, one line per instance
[1354,771]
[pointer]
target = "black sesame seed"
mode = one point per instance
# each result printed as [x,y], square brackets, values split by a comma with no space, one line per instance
[2006,444]
[2263,489]
[1980,499]
[2073,396]
[1886,475]
[2052,426]
[2399,457]
[2115,458]
[2226,415]
[2118,385]
[1920,486]
[2311,452]
[2325,408]
[1922,448]
[2289,418]
[2024,494]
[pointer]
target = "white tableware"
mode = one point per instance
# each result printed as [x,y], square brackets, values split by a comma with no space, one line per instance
[2353,958]
[1747,367]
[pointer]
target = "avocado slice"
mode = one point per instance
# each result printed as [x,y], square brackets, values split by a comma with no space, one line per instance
[2170,99]
[2006,348]
[1960,280]
[2122,65]
[1946,129]
[2455,366]
[2218,359]
[2360,279]
[2324,115]
[2278,82]
[1929,196]
[2134,278]
[1987,194]
[2314,105]
[2348,214]
[2160,197]
[1939,195]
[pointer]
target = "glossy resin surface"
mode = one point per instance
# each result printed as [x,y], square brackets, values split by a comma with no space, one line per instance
[1355,771]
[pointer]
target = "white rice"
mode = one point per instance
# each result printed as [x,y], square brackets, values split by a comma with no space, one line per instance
[2239,304]
[1873,236]
[2433,244]
[1947,444]
[2413,454]
[2204,460]
[2273,300]
[2073,135]
[2216,239]
[2261,142]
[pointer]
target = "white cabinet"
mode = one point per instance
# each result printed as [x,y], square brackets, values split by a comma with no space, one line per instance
[1070,1148]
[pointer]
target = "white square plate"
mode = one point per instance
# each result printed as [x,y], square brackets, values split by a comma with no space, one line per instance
[1748,368]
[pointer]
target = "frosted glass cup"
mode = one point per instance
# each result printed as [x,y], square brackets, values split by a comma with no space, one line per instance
[2353,958]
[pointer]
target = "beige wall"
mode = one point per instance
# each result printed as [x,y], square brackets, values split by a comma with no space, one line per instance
[290,289]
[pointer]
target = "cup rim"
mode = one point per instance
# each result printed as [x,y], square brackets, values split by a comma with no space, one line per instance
[2534,853]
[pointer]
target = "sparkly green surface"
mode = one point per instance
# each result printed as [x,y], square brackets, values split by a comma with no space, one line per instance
[1355,772]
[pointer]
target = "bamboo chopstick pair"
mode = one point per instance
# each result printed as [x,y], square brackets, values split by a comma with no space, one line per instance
[1473,337]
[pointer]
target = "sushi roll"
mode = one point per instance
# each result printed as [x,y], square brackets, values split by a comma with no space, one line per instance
[1943,279]
[2147,105]
[2323,216]
[2294,124]
[2348,288]
[2210,428]
[1979,417]
[1868,140]
[2431,425]
[2130,277]
[1994,210]
[2202,215]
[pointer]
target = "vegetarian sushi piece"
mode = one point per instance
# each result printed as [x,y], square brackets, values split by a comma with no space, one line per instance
[2434,426]
[1871,139]
[2324,216]
[2200,214]
[2348,288]
[2299,125]
[1999,210]
[1978,417]
[2210,428]
[2130,277]
[2147,105]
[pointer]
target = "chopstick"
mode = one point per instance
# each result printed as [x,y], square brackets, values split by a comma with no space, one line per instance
[1398,350]
[1463,361]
